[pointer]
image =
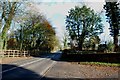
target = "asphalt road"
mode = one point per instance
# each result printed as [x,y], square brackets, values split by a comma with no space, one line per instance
[30,69]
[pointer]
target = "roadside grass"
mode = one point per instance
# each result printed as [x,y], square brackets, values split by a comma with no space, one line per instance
[100,64]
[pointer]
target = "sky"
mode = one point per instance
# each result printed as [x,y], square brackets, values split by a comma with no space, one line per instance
[56,11]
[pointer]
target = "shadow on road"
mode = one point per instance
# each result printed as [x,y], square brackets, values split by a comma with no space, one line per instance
[20,73]
[56,56]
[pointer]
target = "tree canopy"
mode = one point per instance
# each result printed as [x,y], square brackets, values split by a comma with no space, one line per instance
[8,11]
[36,33]
[82,22]
[33,30]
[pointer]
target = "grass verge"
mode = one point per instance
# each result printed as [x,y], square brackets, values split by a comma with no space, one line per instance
[100,64]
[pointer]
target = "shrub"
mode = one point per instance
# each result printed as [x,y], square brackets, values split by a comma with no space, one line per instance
[110,46]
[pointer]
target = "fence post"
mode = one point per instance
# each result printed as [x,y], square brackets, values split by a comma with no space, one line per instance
[13,53]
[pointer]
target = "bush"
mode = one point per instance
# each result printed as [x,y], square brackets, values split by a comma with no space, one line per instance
[110,47]
[102,47]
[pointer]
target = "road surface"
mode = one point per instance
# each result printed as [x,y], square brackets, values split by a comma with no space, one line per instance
[30,69]
[49,67]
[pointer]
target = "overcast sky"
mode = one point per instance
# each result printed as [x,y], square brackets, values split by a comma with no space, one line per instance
[56,11]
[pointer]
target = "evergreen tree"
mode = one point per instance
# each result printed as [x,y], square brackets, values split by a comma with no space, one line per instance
[113,17]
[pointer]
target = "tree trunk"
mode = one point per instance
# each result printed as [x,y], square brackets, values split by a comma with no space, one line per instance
[82,36]
[116,32]
[4,44]
[81,44]
[116,40]
[7,24]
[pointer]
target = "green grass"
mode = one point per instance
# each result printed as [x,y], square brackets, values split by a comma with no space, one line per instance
[101,64]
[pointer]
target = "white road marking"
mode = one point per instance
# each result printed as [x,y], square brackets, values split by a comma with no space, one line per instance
[47,69]
[42,73]
[22,61]
[21,65]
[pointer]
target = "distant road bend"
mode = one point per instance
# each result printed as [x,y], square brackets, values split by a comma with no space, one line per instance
[30,69]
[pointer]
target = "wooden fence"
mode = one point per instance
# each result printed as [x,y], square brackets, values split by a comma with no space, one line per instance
[13,53]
